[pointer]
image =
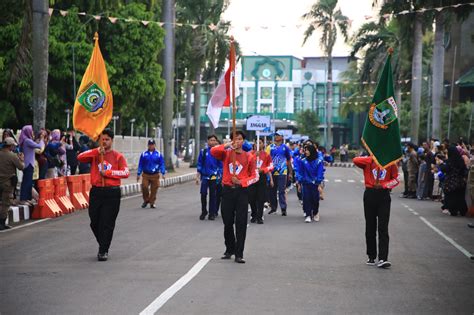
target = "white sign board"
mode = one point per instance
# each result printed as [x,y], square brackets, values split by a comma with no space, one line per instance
[258,123]
[287,133]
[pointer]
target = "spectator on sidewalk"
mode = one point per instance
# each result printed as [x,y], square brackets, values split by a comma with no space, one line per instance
[412,167]
[72,151]
[28,146]
[41,159]
[84,143]
[9,163]
[104,200]
[151,164]
[455,182]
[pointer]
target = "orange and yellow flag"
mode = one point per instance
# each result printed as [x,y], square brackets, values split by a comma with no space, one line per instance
[94,102]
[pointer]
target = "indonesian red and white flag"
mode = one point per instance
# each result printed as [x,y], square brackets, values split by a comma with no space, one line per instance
[222,96]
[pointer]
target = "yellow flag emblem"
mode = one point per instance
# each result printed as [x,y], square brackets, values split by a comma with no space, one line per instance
[94,102]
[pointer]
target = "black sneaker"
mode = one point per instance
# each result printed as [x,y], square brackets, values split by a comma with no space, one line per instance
[272,211]
[239,260]
[370,262]
[152,206]
[384,264]
[259,221]
[283,212]
[226,256]
[203,216]
[102,256]
[211,217]
[144,204]
[253,220]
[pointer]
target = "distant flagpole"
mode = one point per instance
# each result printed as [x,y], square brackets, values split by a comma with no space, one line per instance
[232,67]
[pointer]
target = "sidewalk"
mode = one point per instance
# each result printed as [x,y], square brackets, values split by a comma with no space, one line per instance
[183,169]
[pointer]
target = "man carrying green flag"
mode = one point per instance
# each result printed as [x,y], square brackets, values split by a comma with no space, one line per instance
[381,137]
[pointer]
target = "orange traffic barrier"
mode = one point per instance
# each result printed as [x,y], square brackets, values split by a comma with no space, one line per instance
[74,184]
[86,185]
[60,195]
[47,206]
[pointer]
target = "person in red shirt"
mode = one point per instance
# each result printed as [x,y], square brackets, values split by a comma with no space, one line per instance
[104,199]
[258,191]
[378,183]
[239,173]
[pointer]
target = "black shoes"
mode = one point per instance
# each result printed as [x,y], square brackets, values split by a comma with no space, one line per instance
[152,206]
[283,212]
[239,260]
[471,225]
[227,256]
[272,211]
[211,217]
[4,227]
[203,215]
[259,221]
[253,220]
[370,262]
[144,204]
[102,256]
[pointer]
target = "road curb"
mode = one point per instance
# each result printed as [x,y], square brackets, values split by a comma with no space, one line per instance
[22,213]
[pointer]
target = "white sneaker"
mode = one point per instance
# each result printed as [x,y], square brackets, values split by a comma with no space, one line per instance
[316,217]
[308,219]
[384,264]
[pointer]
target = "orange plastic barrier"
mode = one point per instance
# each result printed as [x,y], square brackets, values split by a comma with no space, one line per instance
[47,206]
[74,184]
[60,195]
[86,185]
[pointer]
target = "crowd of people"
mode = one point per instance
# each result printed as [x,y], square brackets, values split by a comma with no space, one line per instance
[440,171]
[46,154]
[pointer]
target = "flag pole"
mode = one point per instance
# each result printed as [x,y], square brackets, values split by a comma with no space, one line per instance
[232,65]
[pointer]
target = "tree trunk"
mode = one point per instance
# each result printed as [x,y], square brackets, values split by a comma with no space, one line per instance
[438,72]
[197,116]
[329,104]
[168,76]
[187,132]
[416,72]
[40,47]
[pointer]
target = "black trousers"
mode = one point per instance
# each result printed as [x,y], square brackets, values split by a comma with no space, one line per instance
[104,206]
[377,215]
[234,210]
[257,196]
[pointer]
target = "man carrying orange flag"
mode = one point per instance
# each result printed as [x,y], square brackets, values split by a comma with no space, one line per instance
[92,113]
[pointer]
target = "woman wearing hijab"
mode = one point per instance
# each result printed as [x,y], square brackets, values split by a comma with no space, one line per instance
[54,150]
[28,146]
[455,171]
[310,174]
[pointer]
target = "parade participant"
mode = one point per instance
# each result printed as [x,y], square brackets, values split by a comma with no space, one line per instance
[257,192]
[28,146]
[239,172]
[107,168]
[151,164]
[209,172]
[310,174]
[378,183]
[281,157]
[9,163]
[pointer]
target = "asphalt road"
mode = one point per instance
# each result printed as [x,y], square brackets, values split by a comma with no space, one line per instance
[292,267]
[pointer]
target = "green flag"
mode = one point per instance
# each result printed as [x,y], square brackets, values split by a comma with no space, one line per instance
[381,136]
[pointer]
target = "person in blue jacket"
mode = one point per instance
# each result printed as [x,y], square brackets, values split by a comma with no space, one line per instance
[151,164]
[209,173]
[310,174]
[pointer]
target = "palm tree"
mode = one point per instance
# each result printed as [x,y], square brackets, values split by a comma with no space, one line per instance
[40,45]
[324,16]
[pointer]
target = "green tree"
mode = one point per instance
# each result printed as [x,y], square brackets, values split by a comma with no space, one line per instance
[307,122]
[324,16]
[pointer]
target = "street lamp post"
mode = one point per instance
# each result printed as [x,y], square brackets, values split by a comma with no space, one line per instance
[114,118]
[131,136]
[68,112]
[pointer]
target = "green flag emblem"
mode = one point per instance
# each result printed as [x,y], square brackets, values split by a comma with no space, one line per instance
[92,97]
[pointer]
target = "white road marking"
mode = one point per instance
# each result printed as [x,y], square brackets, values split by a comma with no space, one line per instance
[338,180]
[178,285]
[450,240]
[24,225]
[351,181]
[415,213]
[362,181]
[326,180]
